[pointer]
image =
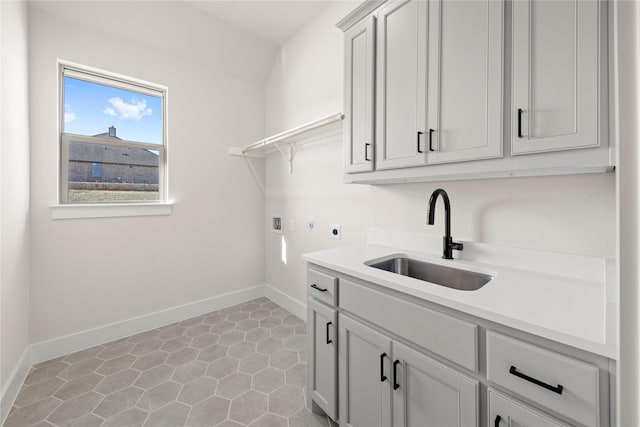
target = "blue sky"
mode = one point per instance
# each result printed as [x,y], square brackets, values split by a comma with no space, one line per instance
[90,108]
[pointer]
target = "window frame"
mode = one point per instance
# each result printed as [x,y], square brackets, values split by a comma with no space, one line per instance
[106,78]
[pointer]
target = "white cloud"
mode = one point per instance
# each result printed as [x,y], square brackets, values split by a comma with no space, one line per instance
[69,115]
[134,110]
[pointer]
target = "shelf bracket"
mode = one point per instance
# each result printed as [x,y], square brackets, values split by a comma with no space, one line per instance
[287,156]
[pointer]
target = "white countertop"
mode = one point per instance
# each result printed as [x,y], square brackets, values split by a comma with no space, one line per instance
[564,298]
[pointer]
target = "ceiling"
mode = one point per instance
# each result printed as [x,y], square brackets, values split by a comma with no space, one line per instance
[274,21]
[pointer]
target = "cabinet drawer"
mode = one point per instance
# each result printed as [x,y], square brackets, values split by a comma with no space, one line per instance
[504,411]
[565,385]
[322,286]
[446,336]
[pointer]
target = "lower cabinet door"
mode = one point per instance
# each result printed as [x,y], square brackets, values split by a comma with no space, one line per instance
[428,394]
[365,375]
[506,412]
[322,367]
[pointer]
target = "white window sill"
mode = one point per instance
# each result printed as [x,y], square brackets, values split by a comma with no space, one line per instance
[110,210]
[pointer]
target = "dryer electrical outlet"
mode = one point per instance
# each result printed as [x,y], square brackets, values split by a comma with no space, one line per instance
[336,232]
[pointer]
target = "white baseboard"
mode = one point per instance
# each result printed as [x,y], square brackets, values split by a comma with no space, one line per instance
[79,341]
[294,306]
[14,383]
[46,350]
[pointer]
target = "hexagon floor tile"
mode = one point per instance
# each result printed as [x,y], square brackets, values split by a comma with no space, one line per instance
[240,366]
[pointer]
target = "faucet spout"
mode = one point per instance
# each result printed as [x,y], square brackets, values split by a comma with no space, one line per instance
[448,245]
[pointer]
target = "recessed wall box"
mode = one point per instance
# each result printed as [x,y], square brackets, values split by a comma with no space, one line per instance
[276,223]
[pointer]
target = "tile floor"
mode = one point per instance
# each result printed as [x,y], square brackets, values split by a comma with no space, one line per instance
[241,366]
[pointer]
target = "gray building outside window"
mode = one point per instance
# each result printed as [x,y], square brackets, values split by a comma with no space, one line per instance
[112,163]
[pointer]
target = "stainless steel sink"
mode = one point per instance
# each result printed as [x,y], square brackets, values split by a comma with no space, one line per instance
[444,276]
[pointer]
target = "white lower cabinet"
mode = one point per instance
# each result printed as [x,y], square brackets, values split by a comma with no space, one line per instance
[428,394]
[386,383]
[563,384]
[506,412]
[365,380]
[322,340]
[396,361]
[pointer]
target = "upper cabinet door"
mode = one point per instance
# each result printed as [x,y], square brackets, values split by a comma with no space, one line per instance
[465,80]
[359,96]
[401,84]
[555,75]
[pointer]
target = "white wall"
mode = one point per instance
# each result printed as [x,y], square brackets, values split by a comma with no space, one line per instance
[628,79]
[89,273]
[14,189]
[571,214]
[180,30]
[306,84]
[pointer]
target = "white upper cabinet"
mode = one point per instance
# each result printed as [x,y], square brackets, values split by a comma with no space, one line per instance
[555,75]
[462,89]
[465,80]
[439,80]
[401,84]
[359,96]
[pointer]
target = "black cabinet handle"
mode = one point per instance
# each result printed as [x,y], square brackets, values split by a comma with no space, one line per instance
[497,422]
[383,377]
[514,371]
[328,340]
[431,140]
[314,286]
[395,375]
[366,151]
[418,141]
[520,110]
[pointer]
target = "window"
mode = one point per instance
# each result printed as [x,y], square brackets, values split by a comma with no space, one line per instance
[113,141]
[96,170]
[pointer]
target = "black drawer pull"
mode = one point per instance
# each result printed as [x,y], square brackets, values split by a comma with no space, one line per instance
[366,152]
[514,371]
[314,286]
[383,377]
[395,375]
[419,150]
[497,422]
[520,110]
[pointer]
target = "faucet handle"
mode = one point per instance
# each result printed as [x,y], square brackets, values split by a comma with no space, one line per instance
[456,246]
[448,245]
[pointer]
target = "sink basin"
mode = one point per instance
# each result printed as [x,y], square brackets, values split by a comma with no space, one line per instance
[450,277]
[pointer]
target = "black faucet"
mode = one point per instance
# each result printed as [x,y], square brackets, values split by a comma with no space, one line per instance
[448,245]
